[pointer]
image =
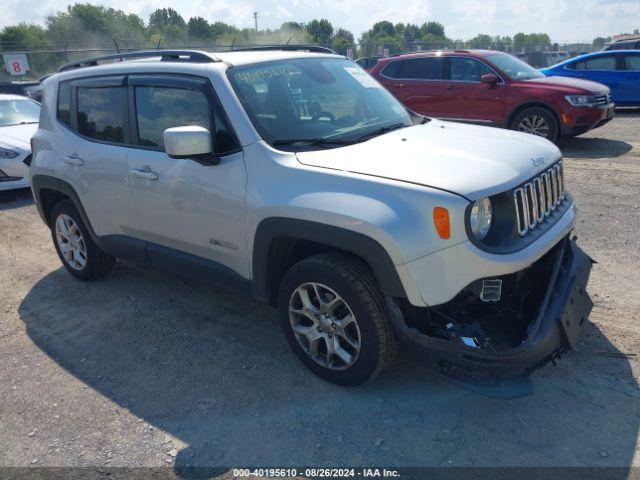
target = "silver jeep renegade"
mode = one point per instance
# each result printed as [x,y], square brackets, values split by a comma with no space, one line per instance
[291,174]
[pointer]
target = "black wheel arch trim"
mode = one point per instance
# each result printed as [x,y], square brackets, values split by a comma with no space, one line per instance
[41,182]
[356,243]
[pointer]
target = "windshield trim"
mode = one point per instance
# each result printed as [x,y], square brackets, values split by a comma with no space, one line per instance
[266,137]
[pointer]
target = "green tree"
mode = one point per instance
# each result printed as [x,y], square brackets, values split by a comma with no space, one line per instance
[321,31]
[198,28]
[481,40]
[600,42]
[93,24]
[383,28]
[292,26]
[342,40]
[168,23]
[433,28]
[531,42]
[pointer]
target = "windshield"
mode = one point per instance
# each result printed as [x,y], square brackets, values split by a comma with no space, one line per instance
[514,67]
[315,103]
[18,111]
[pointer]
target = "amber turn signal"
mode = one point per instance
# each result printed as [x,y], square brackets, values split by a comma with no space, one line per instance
[441,221]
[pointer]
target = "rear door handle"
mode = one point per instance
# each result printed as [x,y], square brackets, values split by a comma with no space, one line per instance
[73,160]
[449,86]
[143,174]
[399,85]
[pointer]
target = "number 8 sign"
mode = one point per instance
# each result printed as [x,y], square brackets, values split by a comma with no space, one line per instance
[16,63]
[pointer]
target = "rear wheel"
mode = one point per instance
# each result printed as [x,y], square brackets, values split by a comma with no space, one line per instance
[77,250]
[537,121]
[334,317]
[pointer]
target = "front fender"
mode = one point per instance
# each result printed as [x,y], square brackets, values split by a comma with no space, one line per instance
[361,245]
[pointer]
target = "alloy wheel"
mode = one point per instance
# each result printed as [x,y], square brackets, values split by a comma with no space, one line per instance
[535,125]
[70,242]
[324,326]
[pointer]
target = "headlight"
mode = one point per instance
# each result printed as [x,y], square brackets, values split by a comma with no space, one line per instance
[480,218]
[5,153]
[582,100]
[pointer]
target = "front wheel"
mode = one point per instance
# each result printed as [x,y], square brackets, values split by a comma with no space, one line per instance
[537,121]
[334,317]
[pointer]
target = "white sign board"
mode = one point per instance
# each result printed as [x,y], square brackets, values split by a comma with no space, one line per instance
[16,63]
[385,52]
[349,53]
[380,49]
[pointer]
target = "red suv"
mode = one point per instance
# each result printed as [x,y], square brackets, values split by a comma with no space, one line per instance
[494,88]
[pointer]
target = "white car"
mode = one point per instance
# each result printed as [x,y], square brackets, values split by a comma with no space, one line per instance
[296,177]
[18,122]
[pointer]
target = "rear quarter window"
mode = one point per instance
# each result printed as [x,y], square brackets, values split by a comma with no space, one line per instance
[64,103]
[632,62]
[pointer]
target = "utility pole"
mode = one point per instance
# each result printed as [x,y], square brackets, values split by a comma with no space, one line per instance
[255,19]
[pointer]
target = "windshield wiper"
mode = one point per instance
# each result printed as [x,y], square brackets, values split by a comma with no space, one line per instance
[311,141]
[382,130]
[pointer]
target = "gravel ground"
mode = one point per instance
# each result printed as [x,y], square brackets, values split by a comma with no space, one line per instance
[146,369]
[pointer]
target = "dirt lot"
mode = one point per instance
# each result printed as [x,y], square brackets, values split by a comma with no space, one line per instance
[146,369]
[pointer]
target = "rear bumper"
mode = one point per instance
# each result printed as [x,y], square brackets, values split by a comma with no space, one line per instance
[556,329]
[581,120]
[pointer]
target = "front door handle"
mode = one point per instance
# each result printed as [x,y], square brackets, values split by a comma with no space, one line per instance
[143,174]
[399,85]
[73,160]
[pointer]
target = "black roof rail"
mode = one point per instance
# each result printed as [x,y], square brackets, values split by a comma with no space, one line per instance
[286,48]
[165,56]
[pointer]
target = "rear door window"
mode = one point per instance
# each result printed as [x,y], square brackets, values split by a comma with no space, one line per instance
[101,113]
[394,69]
[604,63]
[429,68]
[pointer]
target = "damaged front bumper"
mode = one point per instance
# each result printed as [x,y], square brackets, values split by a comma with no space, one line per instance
[555,329]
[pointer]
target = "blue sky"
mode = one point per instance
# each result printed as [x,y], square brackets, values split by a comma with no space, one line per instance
[564,20]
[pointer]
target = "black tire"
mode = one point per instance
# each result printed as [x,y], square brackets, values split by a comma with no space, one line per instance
[354,282]
[98,263]
[520,122]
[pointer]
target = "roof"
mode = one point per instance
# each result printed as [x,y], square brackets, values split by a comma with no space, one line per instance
[455,53]
[237,58]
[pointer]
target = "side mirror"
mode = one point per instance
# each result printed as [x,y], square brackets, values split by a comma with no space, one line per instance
[489,79]
[191,142]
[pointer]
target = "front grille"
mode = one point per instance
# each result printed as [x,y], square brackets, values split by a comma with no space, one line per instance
[603,99]
[538,198]
[27,160]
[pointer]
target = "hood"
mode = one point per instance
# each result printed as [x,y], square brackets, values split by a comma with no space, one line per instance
[18,135]
[469,160]
[571,84]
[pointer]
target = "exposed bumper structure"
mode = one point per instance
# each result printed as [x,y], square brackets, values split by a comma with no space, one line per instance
[556,327]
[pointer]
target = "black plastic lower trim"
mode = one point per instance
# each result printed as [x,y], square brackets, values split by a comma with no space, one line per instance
[358,244]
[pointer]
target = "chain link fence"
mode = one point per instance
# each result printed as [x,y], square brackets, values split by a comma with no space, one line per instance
[44,61]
